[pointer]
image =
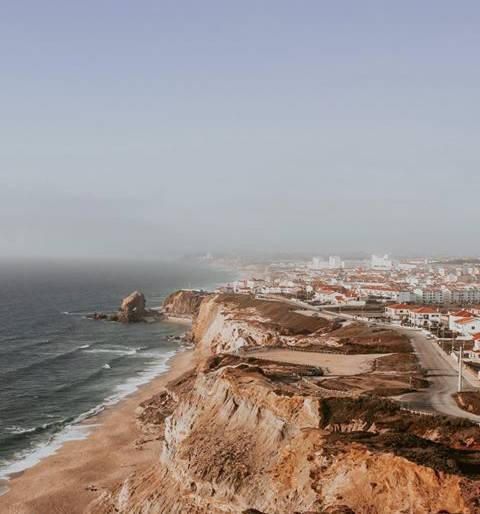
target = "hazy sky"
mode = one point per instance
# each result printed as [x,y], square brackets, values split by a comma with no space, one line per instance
[139,128]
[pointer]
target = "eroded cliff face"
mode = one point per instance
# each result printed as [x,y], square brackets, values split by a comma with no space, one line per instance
[229,323]
[217,330]
[245,435]
[184,303]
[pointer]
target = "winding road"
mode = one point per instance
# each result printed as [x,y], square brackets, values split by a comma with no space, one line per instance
[442,376]
[440,370]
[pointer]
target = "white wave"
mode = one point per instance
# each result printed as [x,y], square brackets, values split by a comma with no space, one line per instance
[129,351]
[151,355]
[25,460]
[78,430]
[14,429]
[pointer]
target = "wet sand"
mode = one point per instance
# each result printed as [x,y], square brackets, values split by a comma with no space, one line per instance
[62,483]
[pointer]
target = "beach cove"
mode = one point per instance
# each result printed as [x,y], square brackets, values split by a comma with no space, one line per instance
[67,481]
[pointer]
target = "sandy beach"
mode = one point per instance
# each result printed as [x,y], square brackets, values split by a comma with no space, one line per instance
[66,482]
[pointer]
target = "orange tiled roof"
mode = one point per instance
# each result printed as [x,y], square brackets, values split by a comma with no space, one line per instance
[464,321]
[425,310]
[462,314]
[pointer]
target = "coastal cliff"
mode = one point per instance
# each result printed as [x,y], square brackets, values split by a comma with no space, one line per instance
[229,323]
[184,303]
[242,434]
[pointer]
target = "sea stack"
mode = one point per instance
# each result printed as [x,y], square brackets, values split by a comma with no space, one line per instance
[132,308]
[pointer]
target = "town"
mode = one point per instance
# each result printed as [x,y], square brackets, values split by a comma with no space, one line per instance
[440,297]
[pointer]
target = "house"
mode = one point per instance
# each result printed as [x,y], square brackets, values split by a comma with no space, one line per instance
[474,354]
[351,297]
[397,311]
[466,326]
[475,310]
[424,316]
[476,342]
[453,317]
[328,296]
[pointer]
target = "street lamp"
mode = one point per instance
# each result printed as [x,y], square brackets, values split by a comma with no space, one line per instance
[460,362]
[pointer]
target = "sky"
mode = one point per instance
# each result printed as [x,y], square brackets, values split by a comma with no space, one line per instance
[154,128]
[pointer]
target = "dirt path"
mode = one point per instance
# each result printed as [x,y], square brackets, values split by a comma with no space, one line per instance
[332,364]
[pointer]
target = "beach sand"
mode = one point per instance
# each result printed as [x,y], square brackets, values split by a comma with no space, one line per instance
[60,483]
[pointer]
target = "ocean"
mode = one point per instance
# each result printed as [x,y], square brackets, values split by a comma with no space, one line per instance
[58,368]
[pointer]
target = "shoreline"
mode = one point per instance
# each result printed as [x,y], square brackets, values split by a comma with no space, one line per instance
[74,475]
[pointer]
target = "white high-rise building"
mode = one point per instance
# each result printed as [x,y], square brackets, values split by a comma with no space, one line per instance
[381,263]
[318,263]
[334,262]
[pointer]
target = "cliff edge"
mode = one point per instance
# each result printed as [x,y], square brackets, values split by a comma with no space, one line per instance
[246,434]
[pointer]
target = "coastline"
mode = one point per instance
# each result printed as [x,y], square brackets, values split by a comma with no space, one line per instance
[69,479]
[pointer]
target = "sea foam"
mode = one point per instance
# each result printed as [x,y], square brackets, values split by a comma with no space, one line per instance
[78,429]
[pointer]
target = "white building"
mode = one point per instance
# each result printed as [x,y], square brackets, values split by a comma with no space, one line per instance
[318,264]
[476,342]
[466,295]
[406,297]
[466,326]
[328,296]
[433,296]
[397,311]
[453,317]
[424,316]
[381,263]
[334,262]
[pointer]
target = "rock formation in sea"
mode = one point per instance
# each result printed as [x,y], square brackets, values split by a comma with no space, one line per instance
[132,310]
[244,434]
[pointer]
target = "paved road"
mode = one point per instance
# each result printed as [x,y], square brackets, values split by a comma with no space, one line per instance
[441,371]
[442,376]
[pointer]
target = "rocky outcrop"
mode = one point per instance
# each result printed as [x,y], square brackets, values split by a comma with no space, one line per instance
[132,310]
[245,436]
[184,303]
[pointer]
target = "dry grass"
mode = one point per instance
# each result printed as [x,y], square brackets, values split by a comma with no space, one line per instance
[279,315]
[360,338]
[469,401]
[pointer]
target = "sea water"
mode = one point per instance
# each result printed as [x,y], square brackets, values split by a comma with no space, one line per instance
[59,368]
